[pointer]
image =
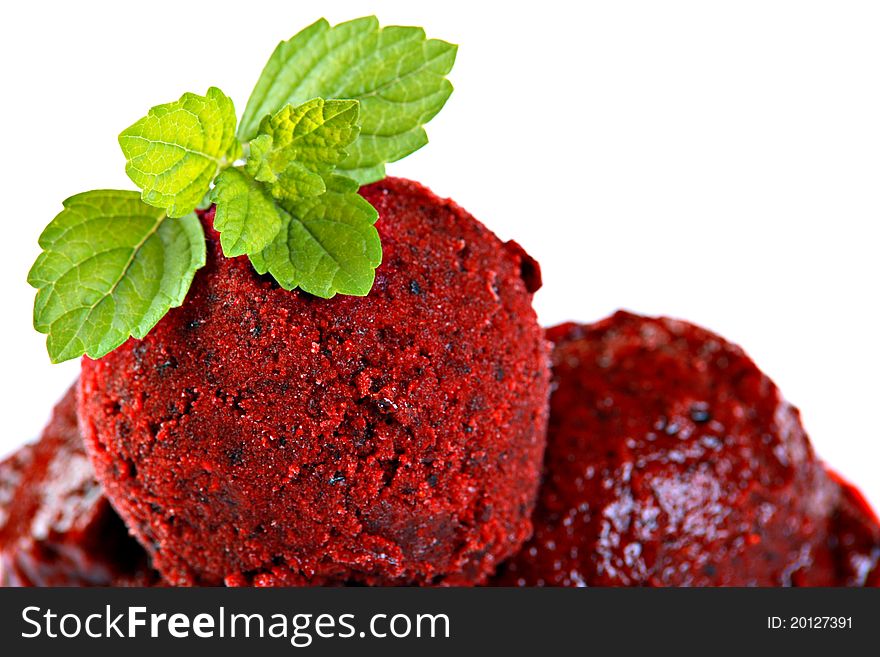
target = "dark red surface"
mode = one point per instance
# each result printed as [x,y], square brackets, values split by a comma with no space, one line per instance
[56,526]
[258,436]
[854,541]
[672,460]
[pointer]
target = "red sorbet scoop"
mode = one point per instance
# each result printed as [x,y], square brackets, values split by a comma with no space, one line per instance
[266,437]
[673,461]
[56,526]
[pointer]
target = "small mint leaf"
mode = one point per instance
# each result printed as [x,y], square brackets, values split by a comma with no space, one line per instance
[246,217]
[111,267]
[397,74]
[297,182]
[258,164]
[327,244]
[175,151]
[298,144]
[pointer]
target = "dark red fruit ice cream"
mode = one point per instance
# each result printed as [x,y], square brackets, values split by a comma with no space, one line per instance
[854,540]
[259,436]
[672,461]
[56,526]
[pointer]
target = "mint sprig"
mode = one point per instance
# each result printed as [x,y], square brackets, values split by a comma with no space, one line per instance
[111,267]
[332,107]
[397,74]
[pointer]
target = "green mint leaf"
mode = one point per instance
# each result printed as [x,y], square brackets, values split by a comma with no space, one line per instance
[366,175]
[298,144]
[111,267]
[246,217]
[395,72]
[297,182]
[314,133]
[258,162]
[327,244]
[175,151]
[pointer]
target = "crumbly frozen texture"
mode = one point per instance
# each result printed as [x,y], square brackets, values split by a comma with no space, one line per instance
[671,461]
[56,526]
[265,437]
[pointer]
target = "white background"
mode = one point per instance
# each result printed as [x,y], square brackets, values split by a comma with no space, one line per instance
[714,161]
